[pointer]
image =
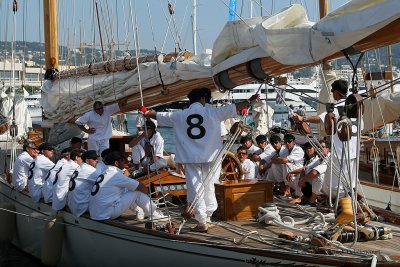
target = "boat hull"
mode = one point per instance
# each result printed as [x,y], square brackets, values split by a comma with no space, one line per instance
[93,243]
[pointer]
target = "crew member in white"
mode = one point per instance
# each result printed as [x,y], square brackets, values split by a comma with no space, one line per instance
[48,179]
[81,184]
[99,123]
[248,167]
[113,193]
[313,173]
[339,91]
[61,181]
[21,166]
[197,133]
[38,169]
[138,148]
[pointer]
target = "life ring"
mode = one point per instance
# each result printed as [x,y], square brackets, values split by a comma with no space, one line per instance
[329,123]
[231,167]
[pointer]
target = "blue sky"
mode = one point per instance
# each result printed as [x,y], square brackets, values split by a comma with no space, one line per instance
[152,20]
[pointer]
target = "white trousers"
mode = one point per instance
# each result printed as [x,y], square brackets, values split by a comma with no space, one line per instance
[138,154]
[196,174]
[317,184]
[131,200]
[98,145]
[347,173]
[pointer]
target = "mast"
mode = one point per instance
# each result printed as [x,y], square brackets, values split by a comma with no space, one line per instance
[51,34]
[323,8]
[194,29]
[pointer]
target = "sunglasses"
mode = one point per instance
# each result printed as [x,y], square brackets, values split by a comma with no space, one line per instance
[242,153]
[34,148]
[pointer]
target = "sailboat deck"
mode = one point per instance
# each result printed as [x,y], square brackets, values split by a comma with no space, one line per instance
[262,238]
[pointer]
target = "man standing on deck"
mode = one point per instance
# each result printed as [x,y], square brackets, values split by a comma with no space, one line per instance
[99,123]
[339,91]
[197,132]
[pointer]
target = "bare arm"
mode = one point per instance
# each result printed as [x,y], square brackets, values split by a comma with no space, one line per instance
[84,129]
[310,176]
[312,119]
[142,188]
[279,160]
[136,140]
[151,114]
[122,103]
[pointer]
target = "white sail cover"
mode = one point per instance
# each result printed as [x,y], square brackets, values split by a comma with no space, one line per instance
[290,38]
[63,99]
[385,108]
[22,117]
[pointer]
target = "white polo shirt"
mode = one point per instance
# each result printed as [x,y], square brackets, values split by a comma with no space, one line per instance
[20,171]
[102,123]
[197,131]
[110,189]
[80,186]
[39,168]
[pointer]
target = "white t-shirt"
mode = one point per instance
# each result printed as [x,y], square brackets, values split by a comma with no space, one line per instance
[20,171]
[48,181]
[110,189]
[38,169]
[80,186]
[339,144]
[61,184]
[157,141]
[253,149]
[102,123]
[249,169]
[268,153]
[296,156]
[197,131]
[316,164]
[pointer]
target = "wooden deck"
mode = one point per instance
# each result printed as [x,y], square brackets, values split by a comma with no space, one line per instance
[249,235]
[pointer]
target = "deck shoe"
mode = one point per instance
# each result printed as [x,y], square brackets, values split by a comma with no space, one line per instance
[200,228]
[158,216]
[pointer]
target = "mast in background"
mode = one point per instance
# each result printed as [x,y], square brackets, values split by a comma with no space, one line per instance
[194,28]
[50,37]
[323,8]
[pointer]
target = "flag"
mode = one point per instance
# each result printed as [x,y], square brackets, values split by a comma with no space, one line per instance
[280,95]
[232,10]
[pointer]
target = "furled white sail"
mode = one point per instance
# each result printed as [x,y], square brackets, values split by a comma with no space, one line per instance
[291,39]
[62,99]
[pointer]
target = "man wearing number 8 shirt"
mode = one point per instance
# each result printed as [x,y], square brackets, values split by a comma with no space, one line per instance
[197,133]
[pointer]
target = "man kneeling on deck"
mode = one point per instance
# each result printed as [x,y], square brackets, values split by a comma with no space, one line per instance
[139,143]
[113,193]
